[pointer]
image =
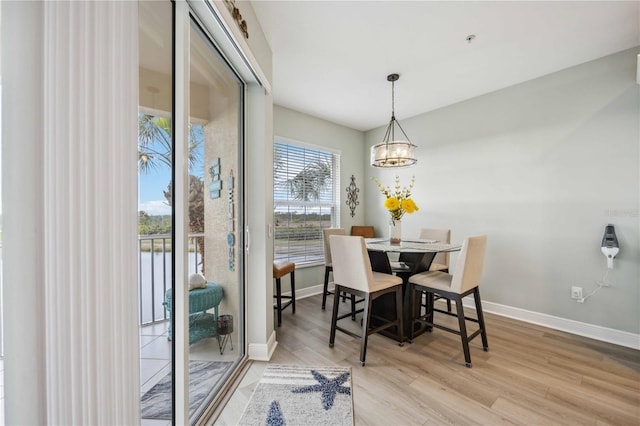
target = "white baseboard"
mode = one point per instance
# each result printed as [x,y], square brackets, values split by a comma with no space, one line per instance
[261,351]
[308,291]
[596,332]
[610,335]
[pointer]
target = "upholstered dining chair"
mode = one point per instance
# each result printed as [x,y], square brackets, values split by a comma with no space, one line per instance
[352,273]
[441,260]
[365,231]
[328,267]
[465,280]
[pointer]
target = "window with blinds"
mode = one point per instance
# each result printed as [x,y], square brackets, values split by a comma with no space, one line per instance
[306,199]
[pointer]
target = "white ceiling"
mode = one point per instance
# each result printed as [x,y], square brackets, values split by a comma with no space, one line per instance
[331,58]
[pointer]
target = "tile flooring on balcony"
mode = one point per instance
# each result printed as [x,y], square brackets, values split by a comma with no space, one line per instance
[155,357]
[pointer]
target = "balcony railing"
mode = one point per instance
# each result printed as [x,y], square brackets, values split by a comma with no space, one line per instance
[154,266]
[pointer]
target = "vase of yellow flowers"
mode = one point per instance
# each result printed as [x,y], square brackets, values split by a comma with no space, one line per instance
[398,202]
[395,231]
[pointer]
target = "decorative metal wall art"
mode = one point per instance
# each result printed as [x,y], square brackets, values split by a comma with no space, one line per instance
[231,239]
[352,196]
[242,24]
[216,184]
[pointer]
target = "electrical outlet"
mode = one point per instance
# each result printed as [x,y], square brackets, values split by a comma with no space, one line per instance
[576,292]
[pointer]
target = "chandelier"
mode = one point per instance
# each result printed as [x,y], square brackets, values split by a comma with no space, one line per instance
[392,152]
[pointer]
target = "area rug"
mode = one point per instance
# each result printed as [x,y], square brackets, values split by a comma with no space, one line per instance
[298,395]
[203,375]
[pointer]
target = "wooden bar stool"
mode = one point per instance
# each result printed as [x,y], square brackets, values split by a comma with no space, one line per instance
[280,269]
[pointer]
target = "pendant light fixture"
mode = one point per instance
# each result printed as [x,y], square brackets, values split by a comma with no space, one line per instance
[392,152]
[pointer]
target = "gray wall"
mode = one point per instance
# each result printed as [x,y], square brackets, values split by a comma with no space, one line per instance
[305,128]
[541,168]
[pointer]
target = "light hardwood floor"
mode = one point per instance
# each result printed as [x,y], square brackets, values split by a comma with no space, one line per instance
[531,375]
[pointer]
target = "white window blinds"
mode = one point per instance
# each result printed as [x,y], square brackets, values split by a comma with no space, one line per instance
[306,200]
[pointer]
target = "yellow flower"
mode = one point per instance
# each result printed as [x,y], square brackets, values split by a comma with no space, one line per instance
[392,203]
[398,200]
[409,206]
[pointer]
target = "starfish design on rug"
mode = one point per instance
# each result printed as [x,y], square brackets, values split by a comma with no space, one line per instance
[275,418]
[329,388]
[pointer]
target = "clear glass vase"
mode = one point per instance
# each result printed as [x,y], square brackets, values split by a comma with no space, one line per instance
[395,231]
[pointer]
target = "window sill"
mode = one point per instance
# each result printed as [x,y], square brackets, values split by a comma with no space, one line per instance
[308,265]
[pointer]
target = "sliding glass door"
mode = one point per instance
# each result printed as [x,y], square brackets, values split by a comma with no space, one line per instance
[215,194]
[190,237]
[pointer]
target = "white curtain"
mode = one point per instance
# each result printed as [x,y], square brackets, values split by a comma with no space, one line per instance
[82,119]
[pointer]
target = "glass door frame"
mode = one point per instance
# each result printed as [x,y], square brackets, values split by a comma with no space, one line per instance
[204,15]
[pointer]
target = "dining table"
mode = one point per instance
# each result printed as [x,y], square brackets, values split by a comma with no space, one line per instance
[410,257]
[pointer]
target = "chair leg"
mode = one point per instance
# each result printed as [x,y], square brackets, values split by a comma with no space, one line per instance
[463,332]
[429,314]
[399,314]
[353,307]
[448,300]
[483,333]
[293,292]
[448,303]
[412,318]
[434,298]
[326,286]
[279,300]
[334,316]
[366,315]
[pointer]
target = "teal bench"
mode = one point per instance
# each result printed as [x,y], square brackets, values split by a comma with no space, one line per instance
[201,323]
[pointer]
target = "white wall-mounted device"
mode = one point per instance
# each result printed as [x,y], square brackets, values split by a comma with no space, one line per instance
[610,247]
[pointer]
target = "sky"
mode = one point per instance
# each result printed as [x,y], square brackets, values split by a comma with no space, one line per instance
[152,184]
[150,191]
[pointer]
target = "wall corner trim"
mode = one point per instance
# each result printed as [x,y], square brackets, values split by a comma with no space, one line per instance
[262,351]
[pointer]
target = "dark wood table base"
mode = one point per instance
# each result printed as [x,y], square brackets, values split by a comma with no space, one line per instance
[384,306]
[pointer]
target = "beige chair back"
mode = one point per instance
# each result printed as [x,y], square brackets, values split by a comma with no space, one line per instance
[326,232]
[443,236]
[470,263]
[351,264]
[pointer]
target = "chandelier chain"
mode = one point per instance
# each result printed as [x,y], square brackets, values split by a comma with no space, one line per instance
[393,110]
[393,99]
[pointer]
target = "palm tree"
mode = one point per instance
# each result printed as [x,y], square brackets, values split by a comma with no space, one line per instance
[309,183]
[196,210]
[154,143]
[154,151]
